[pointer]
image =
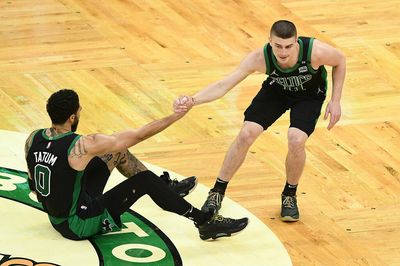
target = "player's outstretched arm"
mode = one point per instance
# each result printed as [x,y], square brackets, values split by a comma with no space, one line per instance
[89,146]
[254,61]
[100,144]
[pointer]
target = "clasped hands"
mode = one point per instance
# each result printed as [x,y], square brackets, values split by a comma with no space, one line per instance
[183,104]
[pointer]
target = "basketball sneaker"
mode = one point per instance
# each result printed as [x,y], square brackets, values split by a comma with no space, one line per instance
[220,226]
[213,202]
[289,210]
[183,187]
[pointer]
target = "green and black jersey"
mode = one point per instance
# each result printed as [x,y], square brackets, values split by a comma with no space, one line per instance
[301,79]
[57,185]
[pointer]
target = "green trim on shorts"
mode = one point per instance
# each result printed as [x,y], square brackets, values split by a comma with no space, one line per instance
[92,226]
[56,220]
[85,228]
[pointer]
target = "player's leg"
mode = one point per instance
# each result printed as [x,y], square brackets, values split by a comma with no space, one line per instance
[121,197]
[264,110]
[128,165]
[233,160]
[303,118]
[95,177]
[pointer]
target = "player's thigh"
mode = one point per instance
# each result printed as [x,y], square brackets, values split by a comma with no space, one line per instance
[266,108]
[304,115]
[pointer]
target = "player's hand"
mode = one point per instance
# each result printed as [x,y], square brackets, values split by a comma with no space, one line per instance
[333,109]
[183,104]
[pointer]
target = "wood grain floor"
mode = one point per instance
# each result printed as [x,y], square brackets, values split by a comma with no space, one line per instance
[129,60]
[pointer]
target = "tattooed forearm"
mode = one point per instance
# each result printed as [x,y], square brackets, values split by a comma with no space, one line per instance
[129,165]
[106,157]
[120,158]
[126,163]
[79,148]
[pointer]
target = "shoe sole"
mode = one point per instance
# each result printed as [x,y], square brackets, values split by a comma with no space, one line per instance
[289,219]
[190,190]
[219,235]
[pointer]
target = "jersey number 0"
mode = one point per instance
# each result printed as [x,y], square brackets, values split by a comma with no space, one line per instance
[42,179]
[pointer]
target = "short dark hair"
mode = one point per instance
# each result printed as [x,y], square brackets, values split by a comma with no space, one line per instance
[61,105]
[283,29]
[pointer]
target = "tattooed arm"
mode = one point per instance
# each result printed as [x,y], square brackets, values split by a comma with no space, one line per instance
[90,146]
[130,165]
[28,144]
[126,163]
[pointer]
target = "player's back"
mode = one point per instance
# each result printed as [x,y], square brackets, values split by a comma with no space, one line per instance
[57,185]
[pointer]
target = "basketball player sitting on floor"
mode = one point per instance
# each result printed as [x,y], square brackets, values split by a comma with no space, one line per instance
[68,173]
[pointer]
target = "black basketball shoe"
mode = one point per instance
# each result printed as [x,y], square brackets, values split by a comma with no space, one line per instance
[213,202]
[183,187]
[220,226]
[289,210]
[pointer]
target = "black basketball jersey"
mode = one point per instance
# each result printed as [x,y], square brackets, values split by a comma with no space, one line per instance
[57,185]
[301,79]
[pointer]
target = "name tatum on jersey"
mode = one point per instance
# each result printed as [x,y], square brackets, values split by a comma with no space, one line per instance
[47,157]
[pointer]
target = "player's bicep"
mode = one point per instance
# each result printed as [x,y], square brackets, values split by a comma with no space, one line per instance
[94,145]
[99,144]
[324,54]
[249,65]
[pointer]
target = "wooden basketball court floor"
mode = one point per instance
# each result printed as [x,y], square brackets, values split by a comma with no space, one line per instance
[129,60]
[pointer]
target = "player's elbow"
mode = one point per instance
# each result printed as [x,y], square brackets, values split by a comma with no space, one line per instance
[341,59]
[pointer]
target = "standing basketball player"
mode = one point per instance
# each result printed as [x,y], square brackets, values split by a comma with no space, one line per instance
[297,81]
[68,172]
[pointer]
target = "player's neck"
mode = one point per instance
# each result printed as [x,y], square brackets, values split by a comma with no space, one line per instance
[55,130]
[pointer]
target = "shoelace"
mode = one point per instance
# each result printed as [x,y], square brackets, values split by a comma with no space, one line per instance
[288,202]
[173,182]
[214,199]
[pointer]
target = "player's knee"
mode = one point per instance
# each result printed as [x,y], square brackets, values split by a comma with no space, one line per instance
[145,179]
[247,136]
[296,140]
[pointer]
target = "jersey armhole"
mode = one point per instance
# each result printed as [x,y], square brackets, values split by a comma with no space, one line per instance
[71,146]
[267,60]
[310,46]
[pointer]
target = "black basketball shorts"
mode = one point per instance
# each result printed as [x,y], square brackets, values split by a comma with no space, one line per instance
[271,102]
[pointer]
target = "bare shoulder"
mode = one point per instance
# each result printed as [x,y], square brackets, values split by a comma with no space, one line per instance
[81,153]
[324,54]
[29,140]
[83,145]
[93,144]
